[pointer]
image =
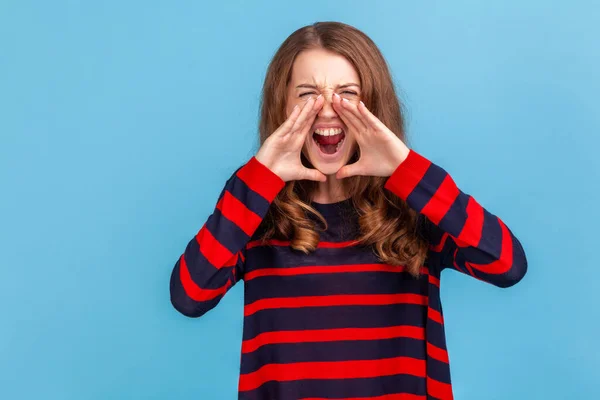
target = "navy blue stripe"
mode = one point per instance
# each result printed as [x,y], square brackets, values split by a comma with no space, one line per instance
[270,320]
[434,235]
[436,334]
[456,217]
[285,256]
[434,298]
[285,353]
[514,274]
[490,242]
[339,228]
[431,231]
[433,262]
[483,253]
[426,188]
[253,201]
[232,237]
[338,388]
[438,370]
[332,284]
[202,272]
[182,302]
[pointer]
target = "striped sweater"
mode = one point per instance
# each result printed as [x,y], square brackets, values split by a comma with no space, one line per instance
[337,323]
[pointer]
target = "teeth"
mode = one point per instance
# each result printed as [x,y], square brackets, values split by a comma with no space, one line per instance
[328,132]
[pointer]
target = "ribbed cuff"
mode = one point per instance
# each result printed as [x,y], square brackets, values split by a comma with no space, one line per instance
[407,175]
[261,179]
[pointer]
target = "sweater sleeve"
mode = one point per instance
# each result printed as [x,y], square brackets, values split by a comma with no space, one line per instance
[462,234]
[213,260]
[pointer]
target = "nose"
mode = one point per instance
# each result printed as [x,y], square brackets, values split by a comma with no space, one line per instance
[327,110]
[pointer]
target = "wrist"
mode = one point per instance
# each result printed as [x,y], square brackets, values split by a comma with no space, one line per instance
[267,162]
[263,159]
[399,156]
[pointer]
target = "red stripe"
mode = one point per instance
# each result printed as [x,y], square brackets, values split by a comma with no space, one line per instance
[233,260]
[435,315]
[439,204]
[334,300]
[473,228]
[439,390]
[440,246]
[467,266]
[434,281]
[237,212]
[471,236]
[437,353]
[332,370]
[332,335]
[285,243]
[407,175]
[212,249]
[194,291]
[327,269]
[505,261]
[270,242]
[397,396]
[322,269]
[261,179]
[331,245]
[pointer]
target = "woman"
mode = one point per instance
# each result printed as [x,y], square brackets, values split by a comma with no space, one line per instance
[340,233]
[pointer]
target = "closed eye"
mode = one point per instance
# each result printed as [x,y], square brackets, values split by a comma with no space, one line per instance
[345,91]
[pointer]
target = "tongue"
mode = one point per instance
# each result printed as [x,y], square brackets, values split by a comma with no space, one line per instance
[327,140]
[328,144]
[328,148]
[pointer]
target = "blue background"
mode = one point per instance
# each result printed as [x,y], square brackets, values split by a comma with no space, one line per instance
[121,121]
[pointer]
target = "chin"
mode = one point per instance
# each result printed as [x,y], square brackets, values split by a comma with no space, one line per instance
[329,158]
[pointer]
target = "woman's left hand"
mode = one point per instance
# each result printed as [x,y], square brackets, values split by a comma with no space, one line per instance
[381,151]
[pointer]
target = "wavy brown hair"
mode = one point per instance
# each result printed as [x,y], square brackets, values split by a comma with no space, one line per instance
[386,222]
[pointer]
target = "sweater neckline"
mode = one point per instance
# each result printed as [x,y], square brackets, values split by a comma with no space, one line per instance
[333,209]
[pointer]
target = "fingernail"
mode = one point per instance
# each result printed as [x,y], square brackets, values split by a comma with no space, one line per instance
[345,99]
[362,103]
[319,96]
[336,95]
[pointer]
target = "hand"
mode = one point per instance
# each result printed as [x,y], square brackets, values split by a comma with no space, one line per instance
[381,151]
[280,152]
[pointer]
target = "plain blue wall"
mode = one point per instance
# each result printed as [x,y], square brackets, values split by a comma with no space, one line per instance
[121,121]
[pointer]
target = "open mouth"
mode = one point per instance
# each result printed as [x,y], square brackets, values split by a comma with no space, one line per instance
[330,140]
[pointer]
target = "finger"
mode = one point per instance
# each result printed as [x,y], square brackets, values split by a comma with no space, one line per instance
[354,113]
[306,111]
[313,175]
[305,129]
[289,122]
[369,118]
[350,170]
[347,117]
[292,120]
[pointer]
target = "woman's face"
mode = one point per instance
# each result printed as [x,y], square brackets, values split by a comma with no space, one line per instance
[328,145]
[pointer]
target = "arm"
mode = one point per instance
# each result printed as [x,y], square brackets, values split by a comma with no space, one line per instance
[463,235]
[213,260]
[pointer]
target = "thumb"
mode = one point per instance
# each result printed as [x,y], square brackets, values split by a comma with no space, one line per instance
[349,170]
[313,175]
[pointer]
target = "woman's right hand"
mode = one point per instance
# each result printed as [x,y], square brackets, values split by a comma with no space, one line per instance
[280,152]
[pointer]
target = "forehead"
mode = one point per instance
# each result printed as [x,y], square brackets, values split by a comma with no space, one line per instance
[322,67]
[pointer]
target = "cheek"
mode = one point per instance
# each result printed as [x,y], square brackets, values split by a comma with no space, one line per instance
[291,103]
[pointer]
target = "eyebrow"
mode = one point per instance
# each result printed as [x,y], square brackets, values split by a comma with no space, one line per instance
[309,86]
